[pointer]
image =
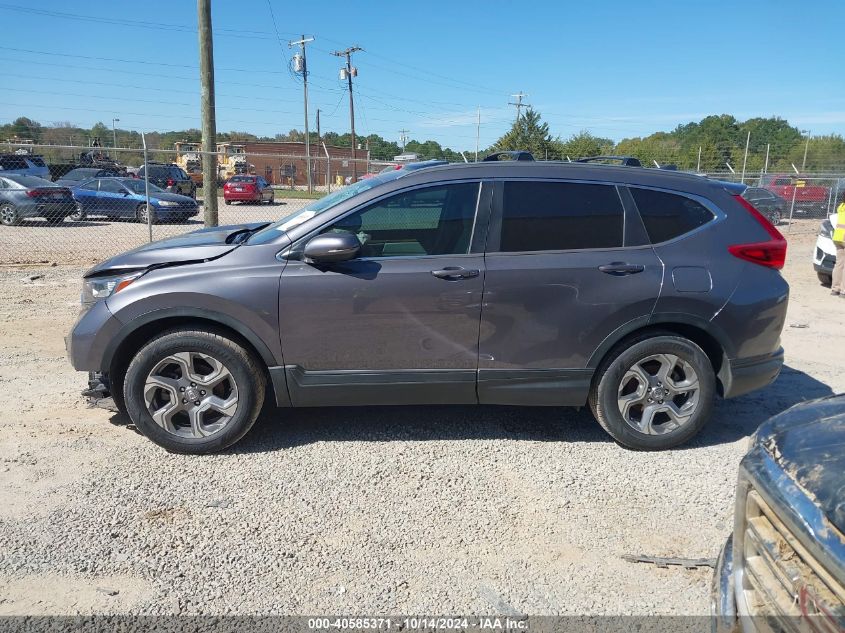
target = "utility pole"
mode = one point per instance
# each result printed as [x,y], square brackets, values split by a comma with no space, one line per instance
[114,132]
[519,105]
[347,73]
[304,70]
[403,137]
[209,124]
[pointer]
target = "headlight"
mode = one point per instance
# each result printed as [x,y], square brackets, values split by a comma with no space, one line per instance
[826,229]
[97,288]
[167,203]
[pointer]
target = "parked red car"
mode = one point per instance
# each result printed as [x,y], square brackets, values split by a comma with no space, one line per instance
[808,197]
[247,189]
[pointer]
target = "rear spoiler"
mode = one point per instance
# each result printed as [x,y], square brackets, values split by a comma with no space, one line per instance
[733,188]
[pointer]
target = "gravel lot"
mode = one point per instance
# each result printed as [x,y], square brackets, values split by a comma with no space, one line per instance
[437,510]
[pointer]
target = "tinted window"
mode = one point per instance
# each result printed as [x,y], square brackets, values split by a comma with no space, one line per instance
[668,215]
[91,185]
[13,162]
[432,221]
[556,216]
[37,161]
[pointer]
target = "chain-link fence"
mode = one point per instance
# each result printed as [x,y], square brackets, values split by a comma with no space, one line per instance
[101,207]
[76,204]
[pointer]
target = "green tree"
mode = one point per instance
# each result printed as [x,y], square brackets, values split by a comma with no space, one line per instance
[584,144]
[529,133]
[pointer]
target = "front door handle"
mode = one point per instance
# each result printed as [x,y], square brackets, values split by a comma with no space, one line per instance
[621,268]
[454,273]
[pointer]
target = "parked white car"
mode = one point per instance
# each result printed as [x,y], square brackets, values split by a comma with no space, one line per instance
[824,255]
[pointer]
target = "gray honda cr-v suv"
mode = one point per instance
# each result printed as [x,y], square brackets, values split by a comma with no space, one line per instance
[643,293]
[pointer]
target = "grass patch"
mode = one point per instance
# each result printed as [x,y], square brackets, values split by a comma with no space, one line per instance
[281,194]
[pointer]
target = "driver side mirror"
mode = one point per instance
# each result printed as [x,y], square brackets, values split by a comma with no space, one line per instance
[331,247]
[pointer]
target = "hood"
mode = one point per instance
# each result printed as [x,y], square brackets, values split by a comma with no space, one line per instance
[808,442]
[201,245]
[171,197]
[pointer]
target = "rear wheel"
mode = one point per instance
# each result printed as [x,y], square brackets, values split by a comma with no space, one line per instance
[775,217]
[9,215]
[193,391]
[78,215]
[655,392]
[228,201]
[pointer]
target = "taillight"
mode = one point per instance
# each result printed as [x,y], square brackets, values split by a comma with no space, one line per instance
[170,182]
[771,253]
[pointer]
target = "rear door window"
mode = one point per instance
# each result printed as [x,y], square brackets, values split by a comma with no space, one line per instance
[559,216]
[668,215]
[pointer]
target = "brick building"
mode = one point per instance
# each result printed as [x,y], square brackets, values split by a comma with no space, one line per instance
[277,161]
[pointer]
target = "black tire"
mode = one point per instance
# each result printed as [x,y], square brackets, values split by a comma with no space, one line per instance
[272,200]
[775,217]
[228,201]
[79,215]
[244,369]
[141,213]
[9,215]
[825,279]
[608,382]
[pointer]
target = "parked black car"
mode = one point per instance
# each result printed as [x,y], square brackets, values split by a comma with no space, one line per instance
[32,197]
[640,293]
[767,203]
[171,178]
[783,569]
[76,176]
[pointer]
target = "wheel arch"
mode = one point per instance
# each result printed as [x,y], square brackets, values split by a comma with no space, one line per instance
[703,333]
[138,332]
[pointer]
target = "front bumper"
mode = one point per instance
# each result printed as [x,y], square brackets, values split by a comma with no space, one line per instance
[723,596]
[90,336]
[741,376]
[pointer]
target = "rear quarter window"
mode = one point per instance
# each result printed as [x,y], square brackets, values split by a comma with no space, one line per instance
[559,216]
[668,215]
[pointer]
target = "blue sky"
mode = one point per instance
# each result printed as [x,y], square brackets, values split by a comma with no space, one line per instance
[617,68]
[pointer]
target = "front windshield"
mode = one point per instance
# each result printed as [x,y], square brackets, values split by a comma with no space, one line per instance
[137,186]
[320,206]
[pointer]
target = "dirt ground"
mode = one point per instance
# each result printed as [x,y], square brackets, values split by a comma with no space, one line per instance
[392,510]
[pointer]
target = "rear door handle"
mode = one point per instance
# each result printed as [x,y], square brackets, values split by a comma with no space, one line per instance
[621,268]
[454,273]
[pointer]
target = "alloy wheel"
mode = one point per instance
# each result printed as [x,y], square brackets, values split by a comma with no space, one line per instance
[658,394]
[191,394]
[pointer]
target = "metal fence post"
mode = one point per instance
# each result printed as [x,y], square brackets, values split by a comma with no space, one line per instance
[147,188]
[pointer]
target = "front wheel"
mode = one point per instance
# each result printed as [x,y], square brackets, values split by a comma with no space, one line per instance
[654,393]
[193,391]
[79,214]
[143,213]
[775,217]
